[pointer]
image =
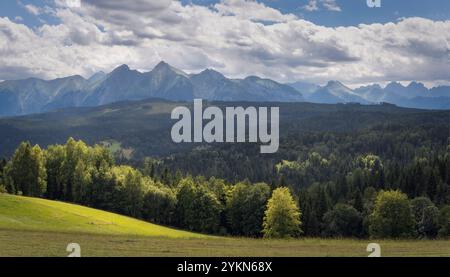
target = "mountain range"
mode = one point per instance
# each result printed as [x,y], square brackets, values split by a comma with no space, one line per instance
[415,95]
[164,81]
[21,97]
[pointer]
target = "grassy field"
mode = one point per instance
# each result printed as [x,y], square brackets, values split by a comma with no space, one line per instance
[37,227]
[26,213]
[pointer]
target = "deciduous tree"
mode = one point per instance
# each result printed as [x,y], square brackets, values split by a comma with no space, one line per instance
[282,216]
[392,216]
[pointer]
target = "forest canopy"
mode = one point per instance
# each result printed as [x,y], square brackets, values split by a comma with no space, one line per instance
[317,196]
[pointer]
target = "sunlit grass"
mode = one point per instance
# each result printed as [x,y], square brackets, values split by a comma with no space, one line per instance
[25,213]
[38,227]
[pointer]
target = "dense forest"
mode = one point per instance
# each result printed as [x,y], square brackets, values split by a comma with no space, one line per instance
[328,188]
[142,129]
[341,170]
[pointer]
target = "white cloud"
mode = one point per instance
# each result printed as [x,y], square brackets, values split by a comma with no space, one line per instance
[135,6]
[32,9]
[68,3]
[251,10]
[100,37]
[330,5]
[311,6]
[37,11]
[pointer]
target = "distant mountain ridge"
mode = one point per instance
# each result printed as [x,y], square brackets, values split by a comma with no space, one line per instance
[415,95]
[336,92]
[164,81]
[33,95]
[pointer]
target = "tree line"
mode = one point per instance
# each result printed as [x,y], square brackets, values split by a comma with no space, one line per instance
[361,203]
[85,175]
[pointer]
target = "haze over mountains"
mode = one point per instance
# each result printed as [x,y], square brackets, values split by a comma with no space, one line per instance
[164,81]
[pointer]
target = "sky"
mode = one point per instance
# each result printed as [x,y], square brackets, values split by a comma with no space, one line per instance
[285,40]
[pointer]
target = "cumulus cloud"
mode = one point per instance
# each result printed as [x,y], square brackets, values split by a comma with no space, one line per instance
[229,37]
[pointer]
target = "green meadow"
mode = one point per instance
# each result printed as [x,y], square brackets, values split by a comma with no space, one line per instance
[38,227]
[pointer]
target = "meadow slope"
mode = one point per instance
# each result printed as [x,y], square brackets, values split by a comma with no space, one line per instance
[35,214]
[38,227]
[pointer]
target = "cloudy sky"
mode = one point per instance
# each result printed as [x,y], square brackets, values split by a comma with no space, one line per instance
[286,40]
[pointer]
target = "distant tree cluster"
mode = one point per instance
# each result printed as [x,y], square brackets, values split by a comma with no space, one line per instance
[369,198]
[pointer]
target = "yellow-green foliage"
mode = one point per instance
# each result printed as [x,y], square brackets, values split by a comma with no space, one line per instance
[392,216]
[282,217]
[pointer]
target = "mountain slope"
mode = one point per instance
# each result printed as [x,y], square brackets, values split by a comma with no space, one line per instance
[305,88]
[33,95]
[166,82]
[335,92]
[26,213]
[373,93]
[210,84]
[118,85]
[440,91]
[268,90]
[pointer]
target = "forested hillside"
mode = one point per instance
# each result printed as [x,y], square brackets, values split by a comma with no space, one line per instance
[369,199]
[343,169]
[142,128]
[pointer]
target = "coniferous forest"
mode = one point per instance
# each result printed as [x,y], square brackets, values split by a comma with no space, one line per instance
[385,182]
